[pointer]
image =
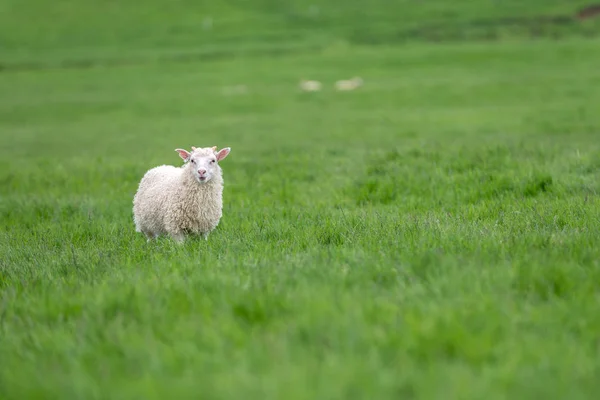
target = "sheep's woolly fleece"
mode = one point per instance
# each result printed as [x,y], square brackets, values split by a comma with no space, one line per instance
[172,200]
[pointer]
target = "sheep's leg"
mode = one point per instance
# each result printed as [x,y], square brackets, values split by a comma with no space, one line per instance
[205,235]
[149,235]
[179,237]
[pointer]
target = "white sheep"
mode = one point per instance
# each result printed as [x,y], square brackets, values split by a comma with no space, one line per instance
[350,84]
[181,200]
[310,86]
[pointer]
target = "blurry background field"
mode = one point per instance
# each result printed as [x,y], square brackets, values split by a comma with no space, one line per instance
[432,234]
[83,32]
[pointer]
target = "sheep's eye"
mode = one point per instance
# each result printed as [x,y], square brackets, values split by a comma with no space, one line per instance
[193,161]
[212,161]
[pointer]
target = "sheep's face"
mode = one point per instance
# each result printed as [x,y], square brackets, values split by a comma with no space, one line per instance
[204,162]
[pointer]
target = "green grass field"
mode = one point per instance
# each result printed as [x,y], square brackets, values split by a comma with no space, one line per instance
[434,234]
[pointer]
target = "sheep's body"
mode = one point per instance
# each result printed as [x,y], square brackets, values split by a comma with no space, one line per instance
[346,85]
[310,86]
[171,200]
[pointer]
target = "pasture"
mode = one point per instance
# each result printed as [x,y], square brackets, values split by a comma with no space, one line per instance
[434,234]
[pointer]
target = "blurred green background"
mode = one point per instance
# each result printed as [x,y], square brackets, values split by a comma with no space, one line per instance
[39,32]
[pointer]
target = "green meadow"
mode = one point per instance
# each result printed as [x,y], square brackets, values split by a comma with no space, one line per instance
[433,234]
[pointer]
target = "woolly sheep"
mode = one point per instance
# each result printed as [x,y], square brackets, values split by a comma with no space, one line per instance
[181,200]
[350,84]
[310,86]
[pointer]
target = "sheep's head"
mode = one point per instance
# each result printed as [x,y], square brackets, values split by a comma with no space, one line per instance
[204,162]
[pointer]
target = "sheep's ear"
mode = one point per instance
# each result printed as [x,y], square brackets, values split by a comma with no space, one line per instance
[223,153]
[183,154]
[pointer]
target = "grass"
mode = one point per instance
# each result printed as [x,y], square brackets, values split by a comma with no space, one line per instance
[433,234]
[80,33]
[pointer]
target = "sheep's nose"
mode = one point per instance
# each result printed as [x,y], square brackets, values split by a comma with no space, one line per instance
[201,171]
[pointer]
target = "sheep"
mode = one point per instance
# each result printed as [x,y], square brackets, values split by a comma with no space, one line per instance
[181,200]
[310,86]
[350,84]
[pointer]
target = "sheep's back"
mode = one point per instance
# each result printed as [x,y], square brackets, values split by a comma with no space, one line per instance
[157,185]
